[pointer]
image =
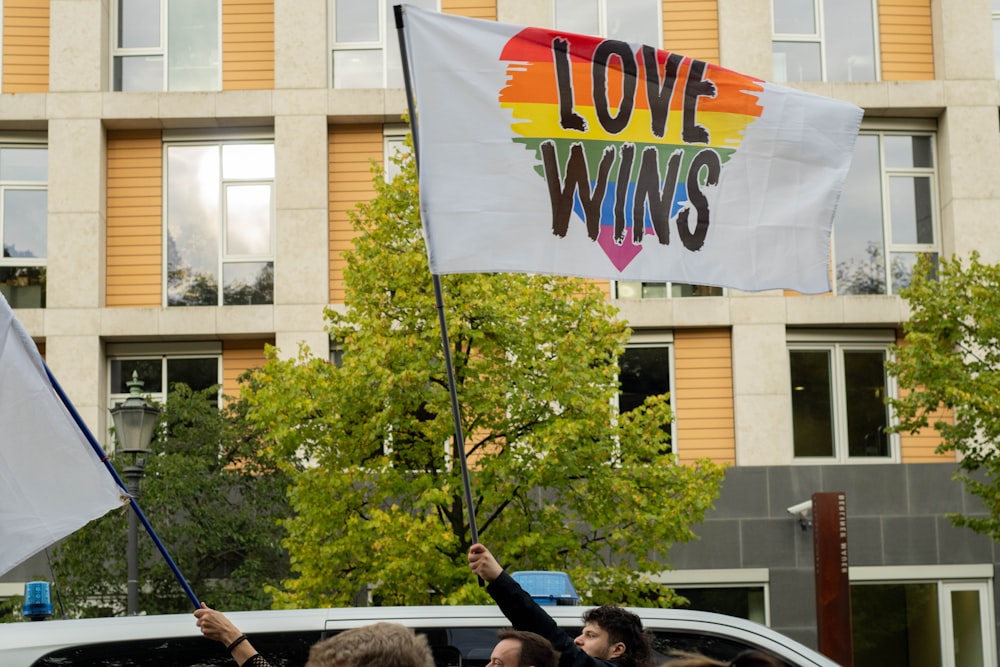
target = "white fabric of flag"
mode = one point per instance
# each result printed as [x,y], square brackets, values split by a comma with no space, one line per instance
[52,482]
[541,151]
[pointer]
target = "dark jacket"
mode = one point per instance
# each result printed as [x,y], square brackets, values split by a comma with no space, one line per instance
[525,614]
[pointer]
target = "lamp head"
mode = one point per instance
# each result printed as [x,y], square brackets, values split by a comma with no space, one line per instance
[135,420]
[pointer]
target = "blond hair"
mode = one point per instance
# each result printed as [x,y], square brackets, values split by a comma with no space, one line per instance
[376,645]
[691,659]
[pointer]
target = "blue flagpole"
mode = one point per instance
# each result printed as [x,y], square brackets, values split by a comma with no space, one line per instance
[114,473]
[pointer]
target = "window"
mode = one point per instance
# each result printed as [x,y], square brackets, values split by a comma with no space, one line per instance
[996,38]
[364,43]
[627,20]
[220,223]
[628,289]
[735,592]
[645,369]
[24,176]
[166,45]
[281,648]
[337,354]
[888,210]
[944,621]
[450,645]
[394,144]
[197,365]
[824,40]
[740,601]
[838,400]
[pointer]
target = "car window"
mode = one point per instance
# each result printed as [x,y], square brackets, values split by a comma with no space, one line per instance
[452,647]
[666,642]
[282,649]
[460,647]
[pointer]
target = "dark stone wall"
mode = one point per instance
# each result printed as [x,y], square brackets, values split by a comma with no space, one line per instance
[896,515]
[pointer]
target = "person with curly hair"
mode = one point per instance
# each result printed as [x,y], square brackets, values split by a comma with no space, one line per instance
[375,645]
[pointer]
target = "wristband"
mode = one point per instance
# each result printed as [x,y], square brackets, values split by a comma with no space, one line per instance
[236,642]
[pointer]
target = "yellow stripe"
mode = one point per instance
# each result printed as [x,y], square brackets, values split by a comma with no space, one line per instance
[539,121]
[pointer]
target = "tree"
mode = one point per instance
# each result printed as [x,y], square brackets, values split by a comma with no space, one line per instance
[948,373]
[213,498]
[561,481]
[10,609]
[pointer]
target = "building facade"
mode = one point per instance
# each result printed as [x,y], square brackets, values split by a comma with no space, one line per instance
[157,155]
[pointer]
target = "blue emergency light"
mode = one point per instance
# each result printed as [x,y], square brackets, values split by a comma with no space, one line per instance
[547,587]
[37,601]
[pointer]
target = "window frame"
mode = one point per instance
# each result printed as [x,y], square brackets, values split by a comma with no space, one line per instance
[837,342]
[386,31]
[125,52]
[164,352]
[722,578]
[654,339]
[819,37]
[671,290]
[602,7]
[886,174]
[393,142]
[162,50]
[223,257]
[946,578]
[994,24]
[24,141]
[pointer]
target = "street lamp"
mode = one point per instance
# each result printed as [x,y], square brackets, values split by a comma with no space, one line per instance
[135,424]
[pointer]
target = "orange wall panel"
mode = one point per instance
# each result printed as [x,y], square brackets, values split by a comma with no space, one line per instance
[247,44]
[919,447]
[135,219]
[239,356]
[691,28]
[351,150]
[703,396]
[474,9]
[25,46]
[905,40]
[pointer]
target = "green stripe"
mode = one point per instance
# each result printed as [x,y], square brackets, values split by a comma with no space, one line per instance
[593,150]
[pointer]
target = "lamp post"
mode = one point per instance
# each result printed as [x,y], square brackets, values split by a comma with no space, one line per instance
[135,424]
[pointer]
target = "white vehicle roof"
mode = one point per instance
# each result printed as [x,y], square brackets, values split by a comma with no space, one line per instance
[23,643]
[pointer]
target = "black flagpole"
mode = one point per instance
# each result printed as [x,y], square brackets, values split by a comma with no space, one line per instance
[439,299]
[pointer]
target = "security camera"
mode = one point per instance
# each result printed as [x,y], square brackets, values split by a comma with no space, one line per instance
[802,509]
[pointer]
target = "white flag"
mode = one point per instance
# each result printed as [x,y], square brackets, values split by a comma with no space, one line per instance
[541,151]
[51,480]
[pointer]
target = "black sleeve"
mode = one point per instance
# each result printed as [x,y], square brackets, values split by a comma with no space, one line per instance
[256,660]
[525,614]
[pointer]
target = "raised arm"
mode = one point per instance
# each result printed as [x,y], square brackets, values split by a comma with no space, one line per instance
[215,625]
[522,611]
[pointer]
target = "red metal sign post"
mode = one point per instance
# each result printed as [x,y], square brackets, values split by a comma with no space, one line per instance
[833,586]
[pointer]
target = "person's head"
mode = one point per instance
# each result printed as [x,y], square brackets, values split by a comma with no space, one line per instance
[613,633]
[376,645]
[689,659]
[754,658]
[519,648]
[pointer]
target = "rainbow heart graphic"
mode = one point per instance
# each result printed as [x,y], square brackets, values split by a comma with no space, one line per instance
[625,133]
